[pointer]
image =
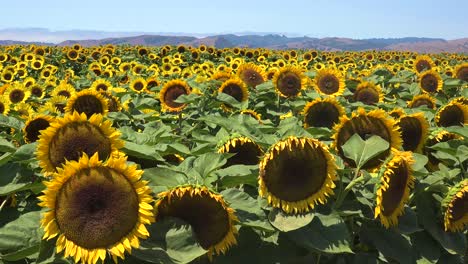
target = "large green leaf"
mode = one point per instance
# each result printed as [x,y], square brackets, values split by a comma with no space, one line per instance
[361,151]
[326,233]
[21,237]
[238,174]
[14,177]
[427,247]
[141,151]
[164,177]
[6,146]
[288,222]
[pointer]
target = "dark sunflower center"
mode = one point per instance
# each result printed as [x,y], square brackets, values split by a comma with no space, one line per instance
[210,221]
[2,108]
[246,153]
[365,127]
[138,86]
[289,84]
[429,83]
[101,87]
[97,208]
[46,73]
[72,54]
[459,206]
[234,90]
[295,175]
[64,93]
[423,65]
[16,96]
[8,76]
[368,96]
[392,197]
[33,130]
[411,133]
[421,102]
[36,91]
[322,115]
[252,77]
[76,138]
[88,104]
[462,74]
[152,84]
[37,64]
[451,116]
[329,84]
[172,94]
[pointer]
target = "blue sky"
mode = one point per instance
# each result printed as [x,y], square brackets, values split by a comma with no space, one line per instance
[321,18]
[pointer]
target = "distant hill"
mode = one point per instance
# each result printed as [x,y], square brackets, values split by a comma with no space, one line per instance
[265,40]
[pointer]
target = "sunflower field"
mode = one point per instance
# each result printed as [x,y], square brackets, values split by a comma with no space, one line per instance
[180,154]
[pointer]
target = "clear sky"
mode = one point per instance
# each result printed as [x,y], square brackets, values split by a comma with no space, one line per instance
[320,18]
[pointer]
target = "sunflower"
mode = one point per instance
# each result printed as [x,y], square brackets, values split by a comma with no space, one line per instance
[251,74]
[37,91]
[235,88]
[87,101]
[73,54]
[96,208]
[289,81]
[423,63]
[461,72]
[55,104]
[368,93]
[73,135]
[211,218]
[63,89]
[455,207]
[414,131]
[34,125]
[138,84]
[430,81]
[396,180]
[296,174]
[422,100]
[245,150]
[113,102]
[329,82]
[253,114]
[437,136]
[17,93]
[170,92]
[37,64]
[397,113]
[366,125]
[7,76]
[4,105]
[221,76]
[152,82]
[452,114]
[101,85]
[322,113]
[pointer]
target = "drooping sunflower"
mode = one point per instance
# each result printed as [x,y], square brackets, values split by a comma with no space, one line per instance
[113,102]
[422,100]
[329,82]
[296,174]
[17,93]
[461,72]
[368,93]
[396,180]
[87,101]
[251,74]
[414,131]
[455,207]
[253,114]
[211,218]
[437,136]
[289,81]
[366,125]
[73,135]
[170,92]
[4,105]
[423,63]
[34,125]
[235,88]
[138,85]
[245,150]
[96,208]
[397,112]
[322,113]
[430,81]
[452,114]
[101,85]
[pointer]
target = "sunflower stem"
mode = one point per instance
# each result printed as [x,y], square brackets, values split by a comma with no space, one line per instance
[342,195]
[4,202]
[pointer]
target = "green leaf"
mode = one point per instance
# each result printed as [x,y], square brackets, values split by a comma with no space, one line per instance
[326,233]
[25,152]
[392,245]
[288,222]
[187,98]
[427,247]
[164,177]
[420,162]
[141,151]
[208,162]
[182,246]
[361,151]
[14,177]
[238,174]
[408,222]
[462,153]
[6,146]
[21,237]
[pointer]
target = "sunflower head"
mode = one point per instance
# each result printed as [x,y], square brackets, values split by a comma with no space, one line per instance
[455,207]
[296,174]
[452,114]
[461,72]
[73,135]
[212,221]
[322,113]
[101,85]
[423,63]
[422,100]
[251,74]
[245,150]
[430,81]
[366,125]
[96,208]
[113,102]
[253,114]
[170,92]
[63,89]
[34,125]
[396,113]
[17,93]
[329,82]
[414,131]
[289,81]
[88,102]
[138,85]
[396,180]
[37,91]
[368,93]
[235,88]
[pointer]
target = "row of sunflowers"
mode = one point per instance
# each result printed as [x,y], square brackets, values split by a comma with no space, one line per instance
[204,155]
